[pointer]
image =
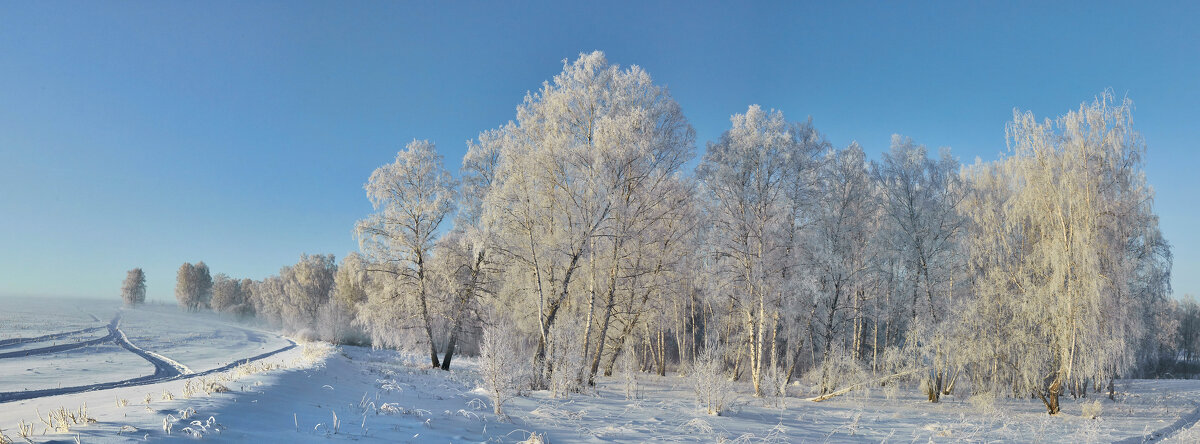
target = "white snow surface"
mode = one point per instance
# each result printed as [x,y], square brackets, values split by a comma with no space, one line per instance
[99,363]
[207,342]
[391,396]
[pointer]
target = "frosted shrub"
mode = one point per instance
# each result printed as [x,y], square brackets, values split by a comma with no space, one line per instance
[838,371]
[891,389]
[499,367]
[535,438]
[985,402]
[1092,410]
[774,387]
[713,388]
[565,379]
[629,371]
[314,352]
[61,420]
[1092,431]
[568,362]
[335,323]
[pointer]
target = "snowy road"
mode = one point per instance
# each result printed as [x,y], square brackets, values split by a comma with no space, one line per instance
[165,369]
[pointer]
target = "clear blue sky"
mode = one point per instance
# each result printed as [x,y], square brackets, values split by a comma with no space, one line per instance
[153,133]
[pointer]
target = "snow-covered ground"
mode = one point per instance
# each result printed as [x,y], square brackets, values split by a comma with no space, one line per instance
[316,393]
[31,317]
[95,364]
[211,342]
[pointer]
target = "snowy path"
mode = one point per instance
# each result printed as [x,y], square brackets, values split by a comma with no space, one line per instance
[165,369]
[18,341]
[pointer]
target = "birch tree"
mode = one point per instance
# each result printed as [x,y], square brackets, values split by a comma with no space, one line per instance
[193,286]
[920,197]
[412,196]
[466,260]
[1057,258]
[203,284]
[133,290]
[227,293]
[352,282]
[307,286]
[586,134]
[840,253]
[751,176]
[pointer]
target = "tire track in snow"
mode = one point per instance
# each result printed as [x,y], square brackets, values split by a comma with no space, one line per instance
[163,366]
[165,369]
[1183,423]
[18,341]
[56,348]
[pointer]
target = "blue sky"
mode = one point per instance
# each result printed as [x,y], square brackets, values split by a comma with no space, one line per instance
[240,133]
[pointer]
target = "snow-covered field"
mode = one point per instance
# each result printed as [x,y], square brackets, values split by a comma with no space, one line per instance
[316,393]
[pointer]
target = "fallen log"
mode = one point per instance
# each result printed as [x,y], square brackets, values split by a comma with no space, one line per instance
[849,388]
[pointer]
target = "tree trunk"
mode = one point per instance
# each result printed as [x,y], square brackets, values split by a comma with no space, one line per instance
[795,361]
[587,331]
[1050,396]
[620,344]
[949,388]
[609,304]
[837,294]
[433,355]
[539,358]
[543,368]
[459,311]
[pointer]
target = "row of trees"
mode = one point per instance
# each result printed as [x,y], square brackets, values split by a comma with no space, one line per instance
[1042,272]
[300,299]
[577,232]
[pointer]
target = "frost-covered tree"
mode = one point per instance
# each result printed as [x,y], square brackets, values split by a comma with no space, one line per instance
[590,137]
[920,198]
[245,305]
[352,281]
[501,372]
[204,284]
[133,290]
[226,293]
[840,254]
[465,263]
[232,296]
[649,269]
[756,179]
[920,241]
[185,288]
[307,286]
[1187,311]
[335,319]
[268,298]
[464,275]
[412,196]
[193,286]
[1070,260]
